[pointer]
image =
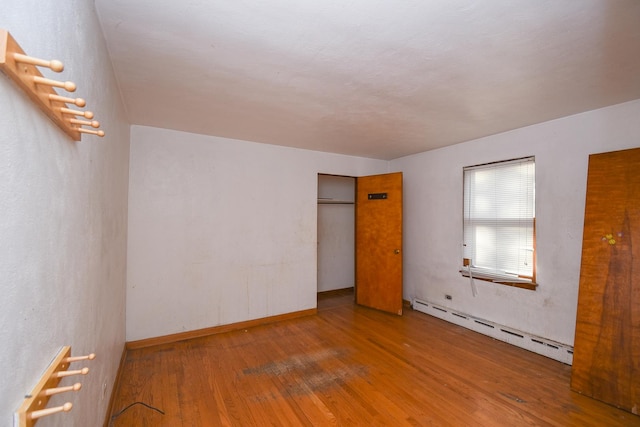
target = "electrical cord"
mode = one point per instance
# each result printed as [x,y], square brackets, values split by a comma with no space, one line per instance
[135,403]
[474,290]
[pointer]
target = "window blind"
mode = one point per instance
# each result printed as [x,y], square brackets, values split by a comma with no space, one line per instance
[499,220]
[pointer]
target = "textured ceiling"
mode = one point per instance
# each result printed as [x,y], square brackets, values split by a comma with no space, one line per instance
[372,78]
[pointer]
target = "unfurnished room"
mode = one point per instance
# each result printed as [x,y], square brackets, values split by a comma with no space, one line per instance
[310,213]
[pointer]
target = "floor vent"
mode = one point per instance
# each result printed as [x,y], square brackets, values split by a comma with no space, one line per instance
[554,350]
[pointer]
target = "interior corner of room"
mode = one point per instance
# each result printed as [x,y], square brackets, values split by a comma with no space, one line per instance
[223,194]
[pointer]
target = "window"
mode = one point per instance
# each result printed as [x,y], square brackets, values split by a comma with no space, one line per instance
[499,222]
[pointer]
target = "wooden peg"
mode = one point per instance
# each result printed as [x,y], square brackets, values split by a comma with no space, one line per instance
[44,412]
[78,358]
[55,65]
[85,114]
[52,391]
[68,86]
[92,132]
[79,102]
[60,374]
[23,75]
[93,124]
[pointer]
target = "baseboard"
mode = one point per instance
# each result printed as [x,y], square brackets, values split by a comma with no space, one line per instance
[552,349]
[116,386]
[336,292]
[198,333]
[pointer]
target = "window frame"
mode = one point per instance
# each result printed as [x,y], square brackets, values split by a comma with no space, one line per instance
[472,272]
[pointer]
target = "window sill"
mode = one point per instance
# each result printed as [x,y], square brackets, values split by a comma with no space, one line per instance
[517,283]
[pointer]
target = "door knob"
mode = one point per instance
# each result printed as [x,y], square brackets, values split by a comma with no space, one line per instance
[397,251]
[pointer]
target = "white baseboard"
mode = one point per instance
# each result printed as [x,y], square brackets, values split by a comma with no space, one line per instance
[552,349]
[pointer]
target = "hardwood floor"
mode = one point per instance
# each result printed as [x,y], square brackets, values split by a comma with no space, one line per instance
[351,366]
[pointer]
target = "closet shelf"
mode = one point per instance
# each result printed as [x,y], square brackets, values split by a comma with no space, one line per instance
[322,201]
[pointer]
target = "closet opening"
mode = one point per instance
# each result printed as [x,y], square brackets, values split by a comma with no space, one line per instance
[336,234]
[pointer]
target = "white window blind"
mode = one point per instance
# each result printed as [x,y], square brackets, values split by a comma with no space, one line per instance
[499,221]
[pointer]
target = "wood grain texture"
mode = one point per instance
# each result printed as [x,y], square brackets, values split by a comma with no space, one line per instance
[379,242]
[606,362]
[352,366]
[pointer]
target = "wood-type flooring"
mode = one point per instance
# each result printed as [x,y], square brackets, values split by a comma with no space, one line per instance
[351,366]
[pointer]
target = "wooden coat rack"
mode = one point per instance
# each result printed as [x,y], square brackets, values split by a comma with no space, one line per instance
[22,69]
[34,405]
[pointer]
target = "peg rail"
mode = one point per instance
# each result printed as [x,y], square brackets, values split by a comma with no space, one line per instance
[22,69]
[34,405]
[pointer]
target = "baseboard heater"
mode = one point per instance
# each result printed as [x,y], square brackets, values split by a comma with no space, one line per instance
[552,349]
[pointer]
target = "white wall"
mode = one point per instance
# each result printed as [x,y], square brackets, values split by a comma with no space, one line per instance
[433,218]
[220,230]
[62,217]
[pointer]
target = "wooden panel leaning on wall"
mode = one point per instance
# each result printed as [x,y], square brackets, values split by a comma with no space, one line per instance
[606,360]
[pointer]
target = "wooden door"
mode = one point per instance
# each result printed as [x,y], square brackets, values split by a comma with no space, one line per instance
[606,360]
[379,242]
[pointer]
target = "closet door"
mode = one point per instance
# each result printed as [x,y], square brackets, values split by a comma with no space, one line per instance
[379,242]
[606,361]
